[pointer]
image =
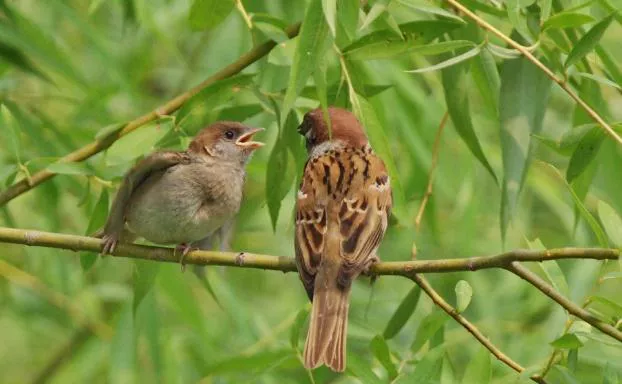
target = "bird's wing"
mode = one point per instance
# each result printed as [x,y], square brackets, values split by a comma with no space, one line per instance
[157,161]
[311,224]
[363,218]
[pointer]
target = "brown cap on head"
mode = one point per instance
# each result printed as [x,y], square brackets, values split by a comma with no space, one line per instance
[344,127]
[232,131]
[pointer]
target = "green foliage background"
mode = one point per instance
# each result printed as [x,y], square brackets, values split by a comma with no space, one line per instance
[519,166]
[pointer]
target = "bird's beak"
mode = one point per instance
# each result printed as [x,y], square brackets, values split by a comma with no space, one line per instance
[245,141]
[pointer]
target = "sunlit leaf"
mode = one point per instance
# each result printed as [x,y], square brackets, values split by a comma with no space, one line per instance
[588,42]
[380,349]
[567,20]
[69,168]
[567,341]
[312,44]
[522,104]
[456,89]
[598,79]
[449,62]
[330,12]
[611,221]
[402,313]
[208,14]
[428,327]
[479,370]
[384,43]
[464,293]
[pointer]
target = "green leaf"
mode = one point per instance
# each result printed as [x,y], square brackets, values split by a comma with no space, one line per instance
[565,376]
[400,48]
[136,143]
[585,153]
[430,10]
[366,114]
[522,104]
[598,79]
[479,370]
[203,103]
[587,216]
[145,273]
[378,8]
[385,44]
[380,349]
[402,313]
[611,221]
[464,293]
[567,341]
[11,131]
[97,221]
[330,12]
[456,88]
[611,65]
[453,61]
[69,168]
[347,21]
[123,349]
[555,275]
[516,18]
[486,76]
[613,309]
[610,375]
[573,359]
[208,14]
[294,335]
[280,177]
[588,42]
[428,369]
[310,50]
[361,369]
[567,20]
[20,60]
[255,364]
[428,328]
[147,321]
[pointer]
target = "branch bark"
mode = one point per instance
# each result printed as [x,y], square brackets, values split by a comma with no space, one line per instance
[568,305]
[287,264]
[470,327]
[170,107]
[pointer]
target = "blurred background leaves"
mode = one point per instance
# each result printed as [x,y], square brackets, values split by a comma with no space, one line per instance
[71,71]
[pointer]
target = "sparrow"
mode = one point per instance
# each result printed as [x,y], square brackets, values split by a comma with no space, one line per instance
[183,197]
[342,212]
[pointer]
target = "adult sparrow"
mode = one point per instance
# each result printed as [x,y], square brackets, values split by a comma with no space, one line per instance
[183,197]
[342,211]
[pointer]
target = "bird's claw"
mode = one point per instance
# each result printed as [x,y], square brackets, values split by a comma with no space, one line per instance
[109,244]
[185,249]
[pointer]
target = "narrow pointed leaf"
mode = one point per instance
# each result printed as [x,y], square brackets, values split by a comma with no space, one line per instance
[97,221]
[588,42]
[611,221]
[567,20]
[456,89]
[464,293]
[584,153]
[479,370]
[522,104]
[402,313]
[380,349]
[208,14]
[449,62]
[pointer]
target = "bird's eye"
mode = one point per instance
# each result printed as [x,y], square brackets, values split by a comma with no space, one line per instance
[229,135]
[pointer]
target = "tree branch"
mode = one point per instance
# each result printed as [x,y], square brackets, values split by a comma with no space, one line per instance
[170,107]
[287,264]
[568,305]
[525,52]
[473,330]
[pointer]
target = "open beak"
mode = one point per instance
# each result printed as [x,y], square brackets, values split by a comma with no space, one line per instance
[245,141]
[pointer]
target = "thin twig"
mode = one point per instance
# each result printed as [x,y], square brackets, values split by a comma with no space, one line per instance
[435,151]
[571,307]
[287,264]
[173,105]
[525,51]
[473,330]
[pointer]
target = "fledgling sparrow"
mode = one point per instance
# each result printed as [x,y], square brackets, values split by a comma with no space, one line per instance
[342,212]
[183,197]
